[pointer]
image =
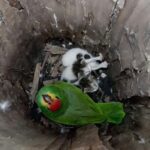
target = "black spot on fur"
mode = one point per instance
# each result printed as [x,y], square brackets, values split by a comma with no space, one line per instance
[79,56]
[98,61]
[87,56]
[84,82]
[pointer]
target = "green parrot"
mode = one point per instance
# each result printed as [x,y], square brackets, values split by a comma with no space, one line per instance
[66,104]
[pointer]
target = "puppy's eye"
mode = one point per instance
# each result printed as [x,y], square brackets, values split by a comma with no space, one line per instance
[86,56]
[79,56]
[47,98]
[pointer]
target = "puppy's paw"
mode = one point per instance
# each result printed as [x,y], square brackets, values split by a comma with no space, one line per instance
[100,56]
[104,64]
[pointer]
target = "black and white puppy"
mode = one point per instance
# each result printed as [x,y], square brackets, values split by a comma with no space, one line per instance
[79,63]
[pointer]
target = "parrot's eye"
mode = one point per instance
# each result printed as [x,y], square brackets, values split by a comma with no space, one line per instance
[47,99]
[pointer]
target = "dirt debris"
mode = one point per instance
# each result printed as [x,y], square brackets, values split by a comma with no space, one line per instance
[133,133]
[35,83]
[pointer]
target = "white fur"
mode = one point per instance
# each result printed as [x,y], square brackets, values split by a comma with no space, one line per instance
[93,59]
[70,56]
[68,74]
[95,65]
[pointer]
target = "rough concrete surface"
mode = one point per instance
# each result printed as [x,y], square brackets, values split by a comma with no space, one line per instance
[122,26]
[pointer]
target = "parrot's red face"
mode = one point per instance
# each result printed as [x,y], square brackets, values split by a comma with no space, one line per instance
[53,103]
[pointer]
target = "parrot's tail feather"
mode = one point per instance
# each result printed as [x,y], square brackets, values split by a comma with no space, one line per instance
[112,111]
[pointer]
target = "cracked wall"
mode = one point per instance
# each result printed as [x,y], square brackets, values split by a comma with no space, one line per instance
[130,42]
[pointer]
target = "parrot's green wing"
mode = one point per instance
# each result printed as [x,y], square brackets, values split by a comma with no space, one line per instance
[78,108]
[82,109]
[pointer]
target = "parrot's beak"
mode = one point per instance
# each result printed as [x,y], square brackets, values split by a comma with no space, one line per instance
[55,105]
